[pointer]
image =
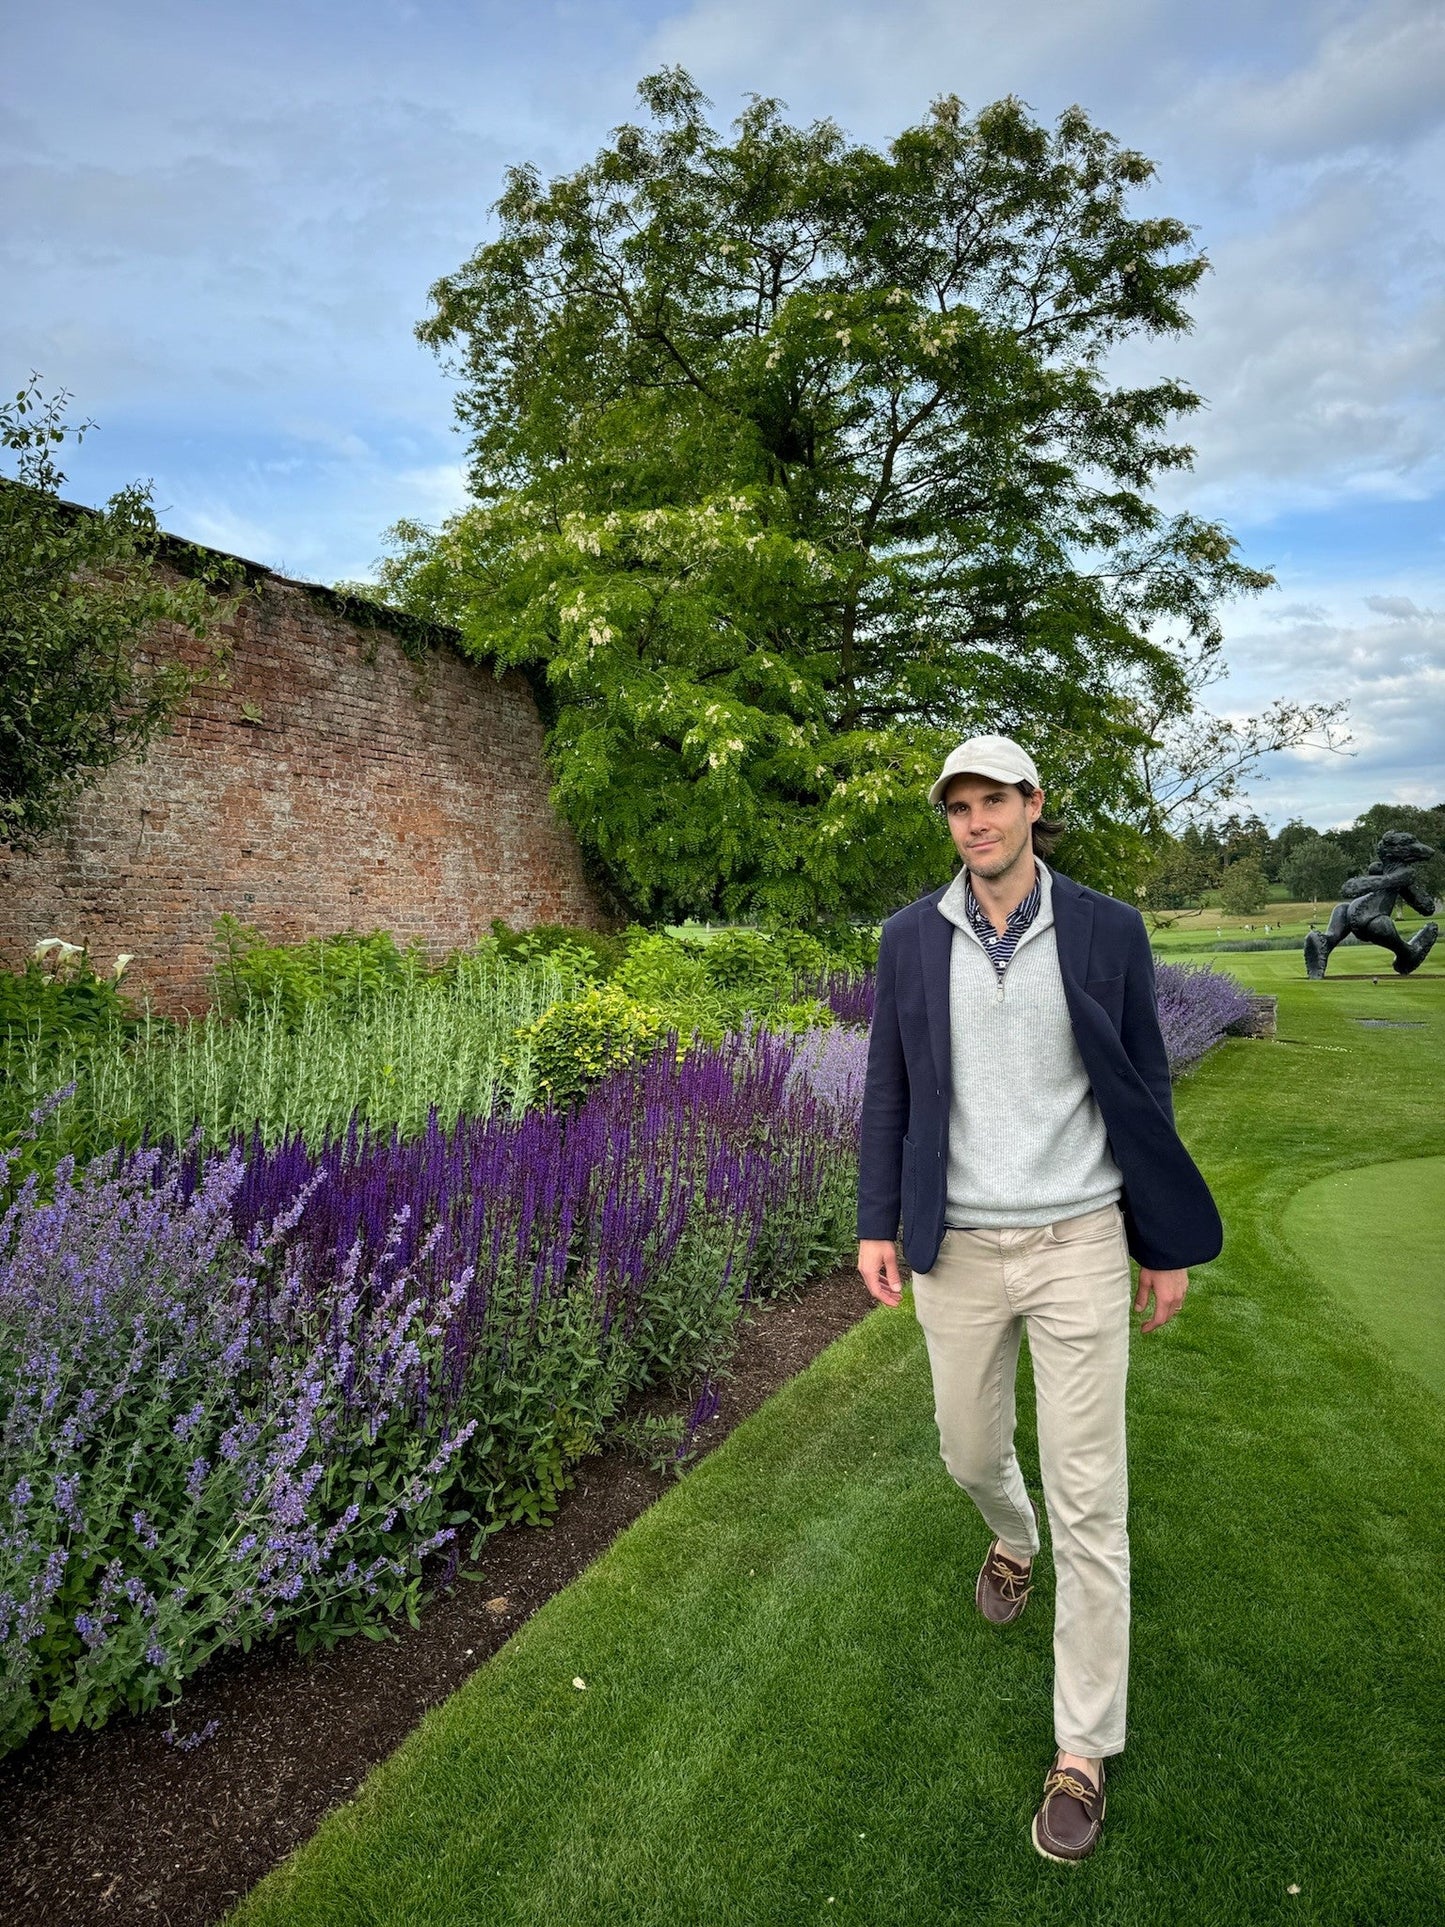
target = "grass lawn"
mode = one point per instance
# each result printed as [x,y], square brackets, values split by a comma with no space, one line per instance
[792,1712]
[1376,1233]
[1284,920]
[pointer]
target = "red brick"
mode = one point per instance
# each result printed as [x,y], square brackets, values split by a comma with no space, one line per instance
[372,795]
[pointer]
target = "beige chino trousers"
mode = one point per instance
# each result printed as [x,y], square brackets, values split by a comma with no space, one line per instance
[1069,1281]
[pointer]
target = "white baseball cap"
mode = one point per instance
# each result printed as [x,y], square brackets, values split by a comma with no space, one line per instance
[998,756]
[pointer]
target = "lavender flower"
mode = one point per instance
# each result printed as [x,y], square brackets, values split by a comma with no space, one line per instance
[220,1364]
[1197,1006]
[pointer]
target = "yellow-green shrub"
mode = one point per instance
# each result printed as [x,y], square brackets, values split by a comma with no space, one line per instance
[582,1038]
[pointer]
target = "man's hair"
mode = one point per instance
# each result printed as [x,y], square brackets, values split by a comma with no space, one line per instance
[1045,831]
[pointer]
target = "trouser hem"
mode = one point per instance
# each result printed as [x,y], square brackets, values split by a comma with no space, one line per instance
[1090,1749]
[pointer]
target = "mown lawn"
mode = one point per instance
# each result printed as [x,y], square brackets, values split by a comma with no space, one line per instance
[1193,927]
[792,1712]
[1377,1231]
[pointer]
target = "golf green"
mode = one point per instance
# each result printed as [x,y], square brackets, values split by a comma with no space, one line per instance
[1373,1235]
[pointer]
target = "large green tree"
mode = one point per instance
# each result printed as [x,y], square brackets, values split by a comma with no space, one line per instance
[1315,868]
[81,593]
[793,462]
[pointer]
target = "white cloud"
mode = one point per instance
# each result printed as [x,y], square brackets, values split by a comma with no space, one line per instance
[1319,357]
[1374,78]
[1389,670]
[437,492]
[1400,609]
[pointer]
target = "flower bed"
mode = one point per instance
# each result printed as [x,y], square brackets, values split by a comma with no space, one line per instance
[255,1389]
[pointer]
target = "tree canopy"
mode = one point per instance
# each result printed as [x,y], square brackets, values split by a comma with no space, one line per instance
[793,462]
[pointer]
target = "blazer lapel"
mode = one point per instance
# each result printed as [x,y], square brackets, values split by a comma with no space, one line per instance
[935,942]
[1073,929]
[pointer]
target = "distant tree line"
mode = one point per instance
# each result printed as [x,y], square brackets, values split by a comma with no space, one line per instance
[1240,857]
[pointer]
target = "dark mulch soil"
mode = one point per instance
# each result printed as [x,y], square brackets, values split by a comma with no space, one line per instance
[121,1826]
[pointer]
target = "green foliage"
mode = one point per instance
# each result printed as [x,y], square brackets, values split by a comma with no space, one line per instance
[444,1042]
[53,1016]
[1315,868]
[656,1438]
[698,989]
[40,1009]
[1305,862]
[745,963]
[1178,875]
[592,953]
[1243,891]
[344,971]
[303,1035]
[802,952]
[850,946]
[576,1042]
[80,593]
[671,972]
[795,461]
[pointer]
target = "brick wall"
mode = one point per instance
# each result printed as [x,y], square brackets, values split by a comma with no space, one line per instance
[332,782]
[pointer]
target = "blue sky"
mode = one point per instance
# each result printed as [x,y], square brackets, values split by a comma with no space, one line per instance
[220,224]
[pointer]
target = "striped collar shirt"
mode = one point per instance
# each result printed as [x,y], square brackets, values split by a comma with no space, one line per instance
[1001,948]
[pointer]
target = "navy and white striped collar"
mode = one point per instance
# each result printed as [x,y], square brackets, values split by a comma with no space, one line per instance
[1019,918]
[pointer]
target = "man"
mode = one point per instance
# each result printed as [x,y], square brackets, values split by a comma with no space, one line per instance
[1017,1112]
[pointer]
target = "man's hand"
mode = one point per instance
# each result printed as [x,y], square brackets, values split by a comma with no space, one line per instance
[1168,1288]
[878,1262]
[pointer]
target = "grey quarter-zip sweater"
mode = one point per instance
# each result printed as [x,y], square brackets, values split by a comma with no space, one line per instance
[1026,1141]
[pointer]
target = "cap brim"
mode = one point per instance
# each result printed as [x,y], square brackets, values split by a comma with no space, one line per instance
[935,795]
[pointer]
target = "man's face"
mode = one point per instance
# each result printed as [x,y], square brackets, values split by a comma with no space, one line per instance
[990,822]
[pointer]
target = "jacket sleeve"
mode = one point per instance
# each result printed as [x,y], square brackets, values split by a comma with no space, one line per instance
[885,1109]
[1142,1038]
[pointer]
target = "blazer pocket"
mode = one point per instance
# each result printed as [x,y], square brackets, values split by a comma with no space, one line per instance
[1109,992]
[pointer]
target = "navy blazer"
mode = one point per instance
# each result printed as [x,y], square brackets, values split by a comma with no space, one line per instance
[1170,1218]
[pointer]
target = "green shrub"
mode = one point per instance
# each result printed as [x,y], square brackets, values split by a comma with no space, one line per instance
[748,968]
[705,987]
[803,953]
[44,1010]
[440,1043]
[806,1014]
[850,946]
[50,1022]
[577,1041]
[343,972]
[592,953]
[662,970]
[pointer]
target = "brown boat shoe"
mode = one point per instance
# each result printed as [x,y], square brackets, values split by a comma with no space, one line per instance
[1071,1816]
[1004,1585]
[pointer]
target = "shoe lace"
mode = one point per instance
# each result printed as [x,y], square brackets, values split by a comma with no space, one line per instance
[1063,1779]
[1011,1582]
